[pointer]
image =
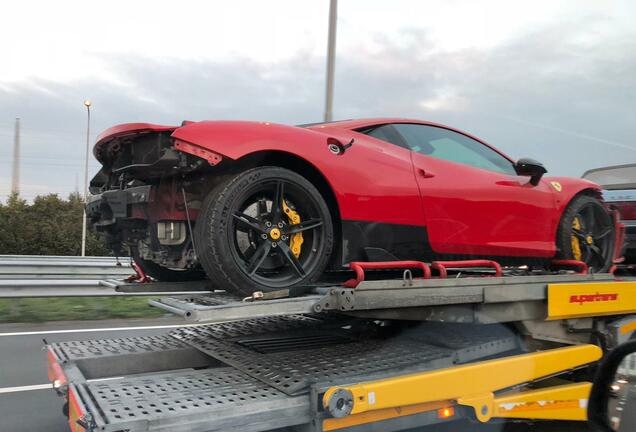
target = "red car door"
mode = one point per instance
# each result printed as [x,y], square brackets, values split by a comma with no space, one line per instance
[474,202]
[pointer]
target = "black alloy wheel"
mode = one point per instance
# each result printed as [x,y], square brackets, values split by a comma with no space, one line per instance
[586,233]
[265,229]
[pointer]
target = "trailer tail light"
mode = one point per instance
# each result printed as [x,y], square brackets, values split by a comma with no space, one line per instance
[55,374]
[75,413]
[445,413]
[627,210]
[619,241]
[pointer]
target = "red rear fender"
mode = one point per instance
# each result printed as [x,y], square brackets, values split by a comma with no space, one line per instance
[235,139]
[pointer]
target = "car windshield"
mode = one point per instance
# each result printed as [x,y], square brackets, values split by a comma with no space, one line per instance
[346,216]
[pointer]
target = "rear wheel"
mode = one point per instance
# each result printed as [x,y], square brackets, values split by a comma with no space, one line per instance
[165,274]
[265,229]
[586,233]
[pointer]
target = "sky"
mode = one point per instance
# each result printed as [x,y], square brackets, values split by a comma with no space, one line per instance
[552,80]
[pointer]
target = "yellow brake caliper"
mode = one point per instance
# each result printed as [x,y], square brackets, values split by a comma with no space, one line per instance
[576,246]
[296,240]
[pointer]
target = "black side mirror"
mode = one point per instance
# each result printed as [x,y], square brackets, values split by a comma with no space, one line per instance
[612,403]
[532,168]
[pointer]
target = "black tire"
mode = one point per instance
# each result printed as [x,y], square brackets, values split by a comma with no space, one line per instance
[165,274]
[586,233]
[235,232]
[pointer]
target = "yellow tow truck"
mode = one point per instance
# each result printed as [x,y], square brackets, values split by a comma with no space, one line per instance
[475,341]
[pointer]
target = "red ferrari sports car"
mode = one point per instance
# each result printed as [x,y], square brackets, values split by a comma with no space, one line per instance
[264,206]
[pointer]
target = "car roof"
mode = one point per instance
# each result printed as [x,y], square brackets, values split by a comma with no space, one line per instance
[367,122]
[353,124]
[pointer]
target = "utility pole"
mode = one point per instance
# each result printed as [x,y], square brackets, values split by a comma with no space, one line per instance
[331,59]
[15,179]
[87,104]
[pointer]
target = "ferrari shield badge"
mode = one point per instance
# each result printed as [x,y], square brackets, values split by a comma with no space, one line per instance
[557,186]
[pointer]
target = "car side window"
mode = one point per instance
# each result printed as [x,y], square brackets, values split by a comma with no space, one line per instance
[452,146]
[385,133]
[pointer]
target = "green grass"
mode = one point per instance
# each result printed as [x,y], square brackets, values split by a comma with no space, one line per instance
[75,308]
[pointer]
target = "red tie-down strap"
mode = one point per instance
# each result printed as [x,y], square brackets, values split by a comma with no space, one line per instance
[359,267]
[139,276]
[442,266]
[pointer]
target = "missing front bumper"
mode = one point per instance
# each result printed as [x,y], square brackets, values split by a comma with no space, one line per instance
[110,206]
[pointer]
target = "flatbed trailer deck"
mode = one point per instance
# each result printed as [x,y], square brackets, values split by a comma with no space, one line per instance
[354,358]
[471,299]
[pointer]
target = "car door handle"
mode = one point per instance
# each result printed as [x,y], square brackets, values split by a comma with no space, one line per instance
[425,174]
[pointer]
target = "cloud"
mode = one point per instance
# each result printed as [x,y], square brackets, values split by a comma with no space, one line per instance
[557,94]
[444,100]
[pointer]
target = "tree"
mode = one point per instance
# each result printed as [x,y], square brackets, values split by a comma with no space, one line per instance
[48,226]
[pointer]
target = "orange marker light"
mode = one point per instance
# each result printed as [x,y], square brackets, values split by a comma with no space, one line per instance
[444,413]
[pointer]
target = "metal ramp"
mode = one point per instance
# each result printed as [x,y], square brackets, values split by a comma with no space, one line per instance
[221,306]
[201,400]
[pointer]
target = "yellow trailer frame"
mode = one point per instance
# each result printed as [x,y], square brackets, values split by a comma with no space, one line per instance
[491,388]
[591,299]
[473,385]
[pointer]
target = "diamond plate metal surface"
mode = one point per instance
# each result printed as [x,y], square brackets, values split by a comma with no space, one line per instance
[470,342]
[81,350]
[148,398]
[294,371]
[459,336]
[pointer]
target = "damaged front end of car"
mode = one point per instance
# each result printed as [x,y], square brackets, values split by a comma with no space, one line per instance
[148,192]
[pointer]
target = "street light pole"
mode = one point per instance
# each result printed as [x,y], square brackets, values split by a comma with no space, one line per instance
[15,177]
[331,59]
[87,104]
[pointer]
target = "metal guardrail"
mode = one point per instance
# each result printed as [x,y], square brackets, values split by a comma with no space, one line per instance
[63,258]
[83,288]
[14,267]
[72,276]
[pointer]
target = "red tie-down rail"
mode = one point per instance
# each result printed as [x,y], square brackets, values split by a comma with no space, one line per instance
[359,267]
[442,266]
